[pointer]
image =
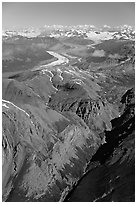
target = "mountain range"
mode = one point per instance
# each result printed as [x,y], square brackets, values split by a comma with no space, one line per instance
[68,114]
[85,31]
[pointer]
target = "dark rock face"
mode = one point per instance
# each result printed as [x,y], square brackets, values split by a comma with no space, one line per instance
[111,171]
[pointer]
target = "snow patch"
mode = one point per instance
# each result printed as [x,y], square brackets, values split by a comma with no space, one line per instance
[4,105]
[98,53]
[10,103]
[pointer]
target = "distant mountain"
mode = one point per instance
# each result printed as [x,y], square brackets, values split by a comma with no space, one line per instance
[85,31]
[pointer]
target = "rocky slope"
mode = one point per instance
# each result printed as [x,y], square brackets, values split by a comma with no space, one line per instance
[43,138]
[38,140]
[41,153]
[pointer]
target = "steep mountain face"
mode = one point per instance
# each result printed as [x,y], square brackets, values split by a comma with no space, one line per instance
[42,153]
[110,173]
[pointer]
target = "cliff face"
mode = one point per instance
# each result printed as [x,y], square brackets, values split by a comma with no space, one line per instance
[111,171]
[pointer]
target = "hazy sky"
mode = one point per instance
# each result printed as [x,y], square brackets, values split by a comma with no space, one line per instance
[35,14]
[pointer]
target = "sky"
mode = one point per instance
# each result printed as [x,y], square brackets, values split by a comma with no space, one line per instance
[38,14]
